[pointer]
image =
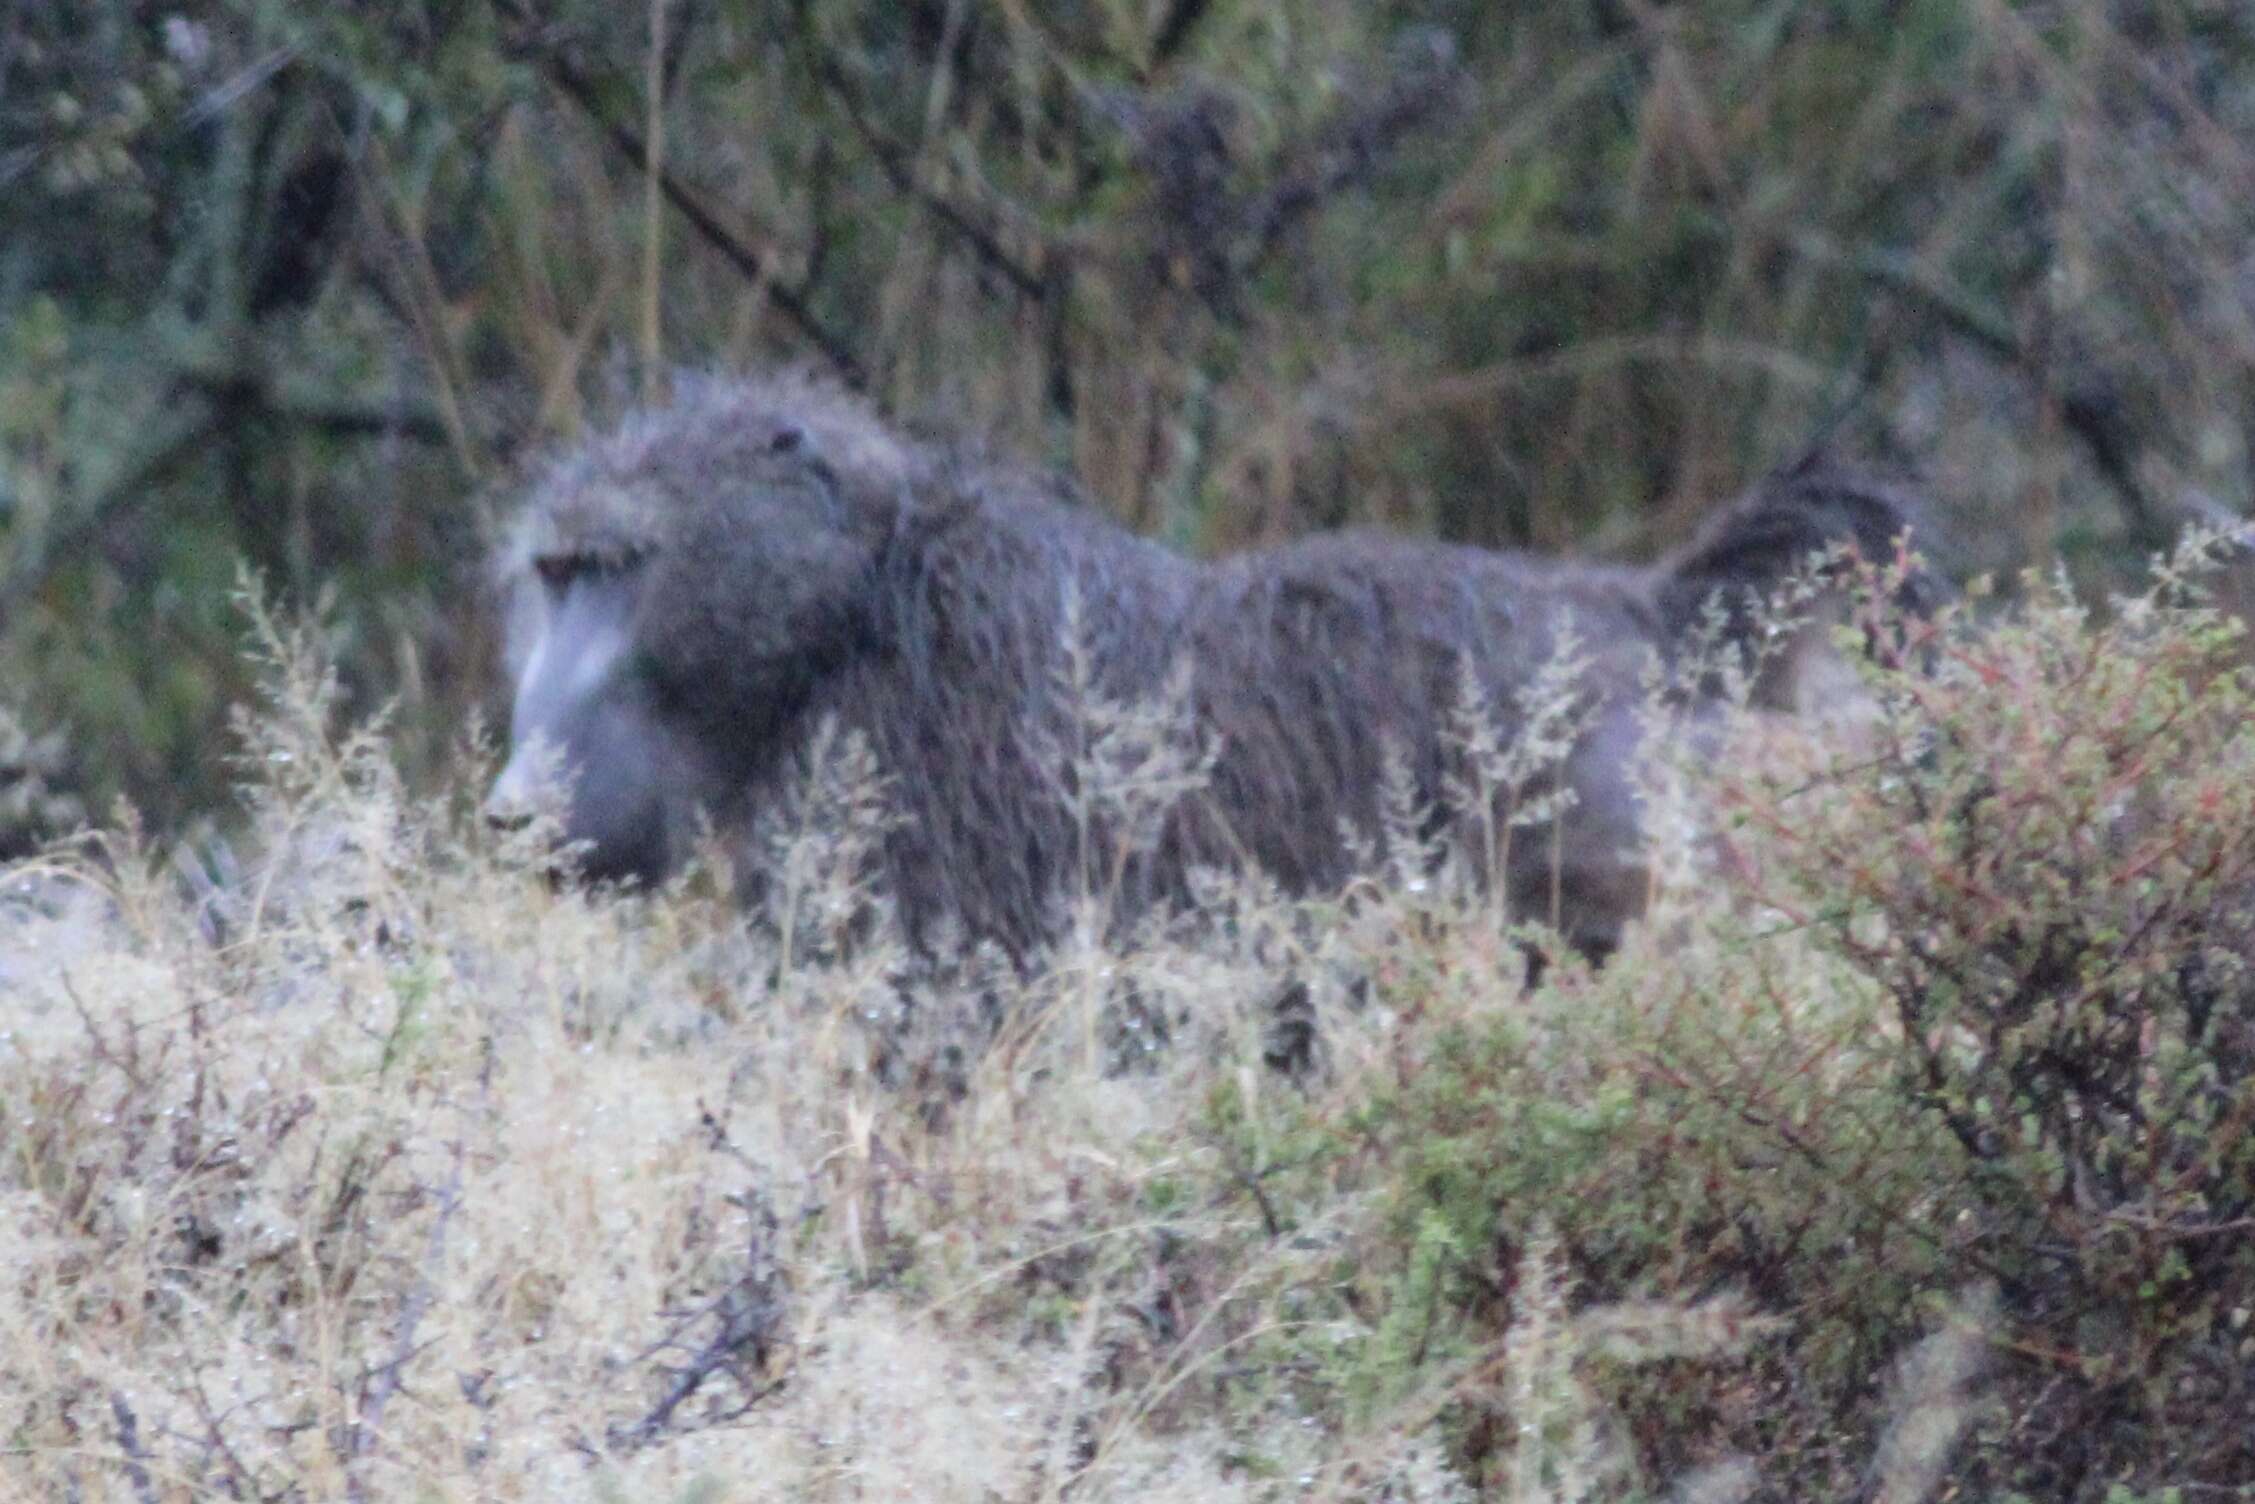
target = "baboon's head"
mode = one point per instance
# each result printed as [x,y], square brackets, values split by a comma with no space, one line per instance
[677,592]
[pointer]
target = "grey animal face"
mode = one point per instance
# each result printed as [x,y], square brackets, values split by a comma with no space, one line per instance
[674,608]
[589,735]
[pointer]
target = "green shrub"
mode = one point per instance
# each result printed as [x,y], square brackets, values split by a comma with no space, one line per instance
[2045,865]
[1974,1010]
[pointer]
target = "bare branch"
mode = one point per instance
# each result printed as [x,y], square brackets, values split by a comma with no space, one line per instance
[628,142]
[1350,149]
[383,1382]
[129,1442]
[1181,20]
[732,1335]
[67,538]
[2084,406]
[894,160]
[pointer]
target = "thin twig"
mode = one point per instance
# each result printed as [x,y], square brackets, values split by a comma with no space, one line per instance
[2110,442]
[384,1381]
[653,220]
[628,142]
[746,1320]
[129,1442]
[894,160]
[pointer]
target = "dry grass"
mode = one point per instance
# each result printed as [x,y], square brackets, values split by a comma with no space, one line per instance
[384,1169]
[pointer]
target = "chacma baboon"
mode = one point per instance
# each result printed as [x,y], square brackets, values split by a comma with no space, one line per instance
[698,591]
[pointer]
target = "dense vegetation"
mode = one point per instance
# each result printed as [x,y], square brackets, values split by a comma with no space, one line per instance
[302,283]
[1910,1161]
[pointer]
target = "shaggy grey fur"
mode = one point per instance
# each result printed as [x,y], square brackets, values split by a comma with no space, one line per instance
[698,591]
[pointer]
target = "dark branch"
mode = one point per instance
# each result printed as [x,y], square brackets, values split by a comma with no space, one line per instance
[893,159]
[2083,407]
[129,1442]
[239,393]
[233,395]
[629,143]
[1181,20]
[1351,149]
[732,1336]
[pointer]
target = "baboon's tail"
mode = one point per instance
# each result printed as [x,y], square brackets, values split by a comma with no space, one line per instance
[1752,546]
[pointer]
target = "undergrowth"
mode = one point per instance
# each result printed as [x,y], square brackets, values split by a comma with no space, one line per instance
[1901,1151]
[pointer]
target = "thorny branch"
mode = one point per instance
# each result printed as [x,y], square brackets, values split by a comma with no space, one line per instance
[733,1335]
[383,1382]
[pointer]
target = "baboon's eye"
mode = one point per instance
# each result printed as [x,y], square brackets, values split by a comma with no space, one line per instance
[559,570]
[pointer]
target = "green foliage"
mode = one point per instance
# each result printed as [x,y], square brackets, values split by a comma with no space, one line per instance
[32,808]
[1699,1118]
[1962,1051]
[2047,869]
[305,283]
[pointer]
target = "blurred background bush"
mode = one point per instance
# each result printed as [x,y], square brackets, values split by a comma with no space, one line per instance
[308,283]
